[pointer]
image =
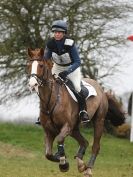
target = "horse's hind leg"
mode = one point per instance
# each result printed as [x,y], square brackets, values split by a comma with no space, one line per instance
[83,144]
[65,131]
[98,130]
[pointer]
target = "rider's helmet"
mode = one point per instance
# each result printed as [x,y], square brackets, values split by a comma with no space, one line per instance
[59,25]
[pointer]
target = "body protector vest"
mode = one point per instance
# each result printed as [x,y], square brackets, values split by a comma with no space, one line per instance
[61,56]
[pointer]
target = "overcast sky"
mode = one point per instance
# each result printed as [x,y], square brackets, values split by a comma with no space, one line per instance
[122,81]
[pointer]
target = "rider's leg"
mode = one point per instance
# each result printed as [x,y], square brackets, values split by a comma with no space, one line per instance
[75,78]
[38,121]
[82,106]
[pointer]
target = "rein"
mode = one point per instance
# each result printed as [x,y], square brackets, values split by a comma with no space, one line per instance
[47,111]
[47,82]
[41,81]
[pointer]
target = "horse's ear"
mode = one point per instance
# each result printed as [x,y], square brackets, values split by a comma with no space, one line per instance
[49,63]
[42,52]
[29,52]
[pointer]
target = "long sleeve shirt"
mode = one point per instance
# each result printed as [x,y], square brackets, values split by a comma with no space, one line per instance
[73,53]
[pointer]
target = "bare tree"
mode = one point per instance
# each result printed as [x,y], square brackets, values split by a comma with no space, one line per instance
[27,23]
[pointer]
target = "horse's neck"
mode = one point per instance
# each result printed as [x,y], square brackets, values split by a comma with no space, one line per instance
[48,94]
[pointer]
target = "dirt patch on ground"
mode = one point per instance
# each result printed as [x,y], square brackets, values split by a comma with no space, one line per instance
[9,151]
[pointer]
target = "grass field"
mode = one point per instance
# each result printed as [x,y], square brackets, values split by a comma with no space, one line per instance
[22,154]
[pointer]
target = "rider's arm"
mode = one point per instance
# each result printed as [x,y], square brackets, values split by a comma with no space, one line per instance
[76,59]
[47,53]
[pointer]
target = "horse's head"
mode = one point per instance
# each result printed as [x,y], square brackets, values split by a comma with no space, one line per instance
[39,70]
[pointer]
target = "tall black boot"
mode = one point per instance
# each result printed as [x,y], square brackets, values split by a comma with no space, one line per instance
[82,107]
[38,121]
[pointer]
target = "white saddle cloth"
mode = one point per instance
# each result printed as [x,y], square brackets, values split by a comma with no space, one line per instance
[91,89]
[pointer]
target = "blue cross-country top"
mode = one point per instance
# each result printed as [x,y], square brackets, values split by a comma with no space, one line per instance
[63,53]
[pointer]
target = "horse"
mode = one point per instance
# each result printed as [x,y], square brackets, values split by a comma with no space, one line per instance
[59,113]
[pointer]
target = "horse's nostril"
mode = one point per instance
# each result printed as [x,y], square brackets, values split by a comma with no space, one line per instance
[36,85]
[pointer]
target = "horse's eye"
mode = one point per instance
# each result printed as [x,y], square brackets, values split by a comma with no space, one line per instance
[28,65]
[41,65]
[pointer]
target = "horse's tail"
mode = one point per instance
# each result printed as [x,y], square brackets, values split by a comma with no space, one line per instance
[115,113]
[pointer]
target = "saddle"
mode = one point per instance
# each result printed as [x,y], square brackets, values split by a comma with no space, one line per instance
[87,89]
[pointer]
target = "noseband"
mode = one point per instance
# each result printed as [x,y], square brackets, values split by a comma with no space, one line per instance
[40,80]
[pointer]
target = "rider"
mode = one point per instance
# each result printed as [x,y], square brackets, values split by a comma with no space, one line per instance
[65,56]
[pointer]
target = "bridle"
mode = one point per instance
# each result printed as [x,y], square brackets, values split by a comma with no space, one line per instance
[40,79]
[46,81]
[43,81]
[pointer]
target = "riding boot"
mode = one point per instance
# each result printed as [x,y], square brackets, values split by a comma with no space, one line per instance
[82,107]
[38,121]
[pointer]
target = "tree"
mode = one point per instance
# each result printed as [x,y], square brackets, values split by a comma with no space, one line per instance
[27,23]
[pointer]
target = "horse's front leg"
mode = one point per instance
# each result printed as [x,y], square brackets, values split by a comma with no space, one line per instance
[49,139]
[65,131]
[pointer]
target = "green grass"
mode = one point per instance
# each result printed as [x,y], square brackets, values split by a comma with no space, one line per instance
[22,154]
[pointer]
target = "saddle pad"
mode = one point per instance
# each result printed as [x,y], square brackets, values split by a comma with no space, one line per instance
[90,88]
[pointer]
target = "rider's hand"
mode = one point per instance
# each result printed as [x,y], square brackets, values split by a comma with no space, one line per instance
[63,74]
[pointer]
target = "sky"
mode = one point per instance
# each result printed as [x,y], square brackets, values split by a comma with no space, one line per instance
[122,81]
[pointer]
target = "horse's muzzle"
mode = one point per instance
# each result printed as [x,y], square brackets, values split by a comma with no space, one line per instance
[33,84]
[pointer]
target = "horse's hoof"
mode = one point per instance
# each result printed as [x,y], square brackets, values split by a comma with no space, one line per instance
[64,167]
[81,165]
[88,172]
[81,168]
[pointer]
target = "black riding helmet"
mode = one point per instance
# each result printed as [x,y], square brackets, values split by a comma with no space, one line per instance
[59,25]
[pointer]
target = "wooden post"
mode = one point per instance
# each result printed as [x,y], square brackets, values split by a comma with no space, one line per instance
[131,133]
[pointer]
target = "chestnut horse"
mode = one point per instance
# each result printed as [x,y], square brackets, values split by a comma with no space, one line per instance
[59,113]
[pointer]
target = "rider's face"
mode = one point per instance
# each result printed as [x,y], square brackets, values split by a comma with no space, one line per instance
[58,35]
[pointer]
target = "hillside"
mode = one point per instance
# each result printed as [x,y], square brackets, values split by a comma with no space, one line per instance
[22,154]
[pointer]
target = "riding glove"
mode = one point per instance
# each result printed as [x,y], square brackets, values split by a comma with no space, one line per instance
[63,74]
